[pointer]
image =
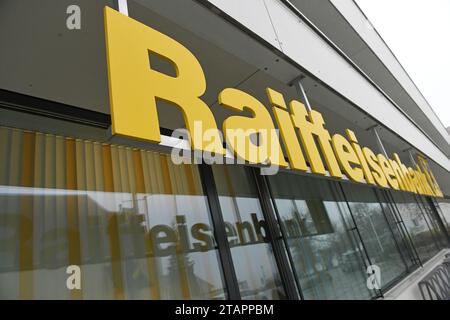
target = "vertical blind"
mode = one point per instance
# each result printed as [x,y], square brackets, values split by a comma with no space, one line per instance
[119,213]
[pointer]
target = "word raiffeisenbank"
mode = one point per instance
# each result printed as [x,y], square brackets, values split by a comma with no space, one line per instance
[135,87]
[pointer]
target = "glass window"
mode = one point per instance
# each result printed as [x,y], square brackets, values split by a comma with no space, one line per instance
[417,225]
[399,230]
[375,232]
[136,224]
[444,206]
[252,254]
[321,238]
[433,220]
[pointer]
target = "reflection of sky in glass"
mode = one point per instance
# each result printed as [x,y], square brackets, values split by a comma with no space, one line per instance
[327,264]
[253,262]
[413,219]
[378,240]
[157,208]
[418,224]
[445,209]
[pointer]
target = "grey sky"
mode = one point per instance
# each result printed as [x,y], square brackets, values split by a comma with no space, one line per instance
[418,32]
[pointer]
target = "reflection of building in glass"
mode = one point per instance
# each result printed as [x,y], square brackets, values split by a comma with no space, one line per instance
[143,226]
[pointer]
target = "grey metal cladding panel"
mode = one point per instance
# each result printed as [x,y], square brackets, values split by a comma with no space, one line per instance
[327,17]
[37,38]
[356,19]
[310,51]
[39,56]
[255,15]
[218,31]
[394,89]
[323,14]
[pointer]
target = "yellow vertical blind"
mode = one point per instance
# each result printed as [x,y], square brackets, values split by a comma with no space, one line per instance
[70,202]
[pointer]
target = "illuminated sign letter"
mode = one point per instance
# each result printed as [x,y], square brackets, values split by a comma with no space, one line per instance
[377,172]
[347,157]
[238,129]
[135,87]
[362,159]
[287,129]
[388,172]
[310,125]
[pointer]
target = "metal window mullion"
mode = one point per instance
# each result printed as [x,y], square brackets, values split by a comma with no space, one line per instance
[366,252]
[440,211]
[435,215]
[385,215]
[423,210]
[441,218]
[279,242]
[416,256]
[226,259]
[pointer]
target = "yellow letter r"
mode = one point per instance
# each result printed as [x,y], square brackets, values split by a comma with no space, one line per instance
[134,86]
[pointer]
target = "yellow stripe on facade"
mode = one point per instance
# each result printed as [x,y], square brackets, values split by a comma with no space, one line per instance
[113,228]
[73,236]
[26,281]
[151,267]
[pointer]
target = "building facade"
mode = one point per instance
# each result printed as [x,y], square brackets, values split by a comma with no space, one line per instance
[102,196]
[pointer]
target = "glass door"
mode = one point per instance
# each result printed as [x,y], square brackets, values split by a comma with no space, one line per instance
[257,272]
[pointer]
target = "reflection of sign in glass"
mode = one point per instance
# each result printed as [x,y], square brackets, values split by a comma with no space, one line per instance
[169,240]
[135,87]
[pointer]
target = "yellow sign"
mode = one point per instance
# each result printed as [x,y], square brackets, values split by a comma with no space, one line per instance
[135,88]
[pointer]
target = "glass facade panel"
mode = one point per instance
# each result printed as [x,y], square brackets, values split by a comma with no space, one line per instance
[375,232]
[444,206]
[433,220]
[252,254]
[399,230]
[139,226]
[136,224]
[321,238]
[417,225]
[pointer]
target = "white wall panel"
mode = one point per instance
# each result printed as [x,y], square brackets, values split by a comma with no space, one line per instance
[357,20]
[309,50]
[255,15]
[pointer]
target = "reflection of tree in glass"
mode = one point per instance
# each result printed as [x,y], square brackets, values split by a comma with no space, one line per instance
[372,226]
[181,279]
